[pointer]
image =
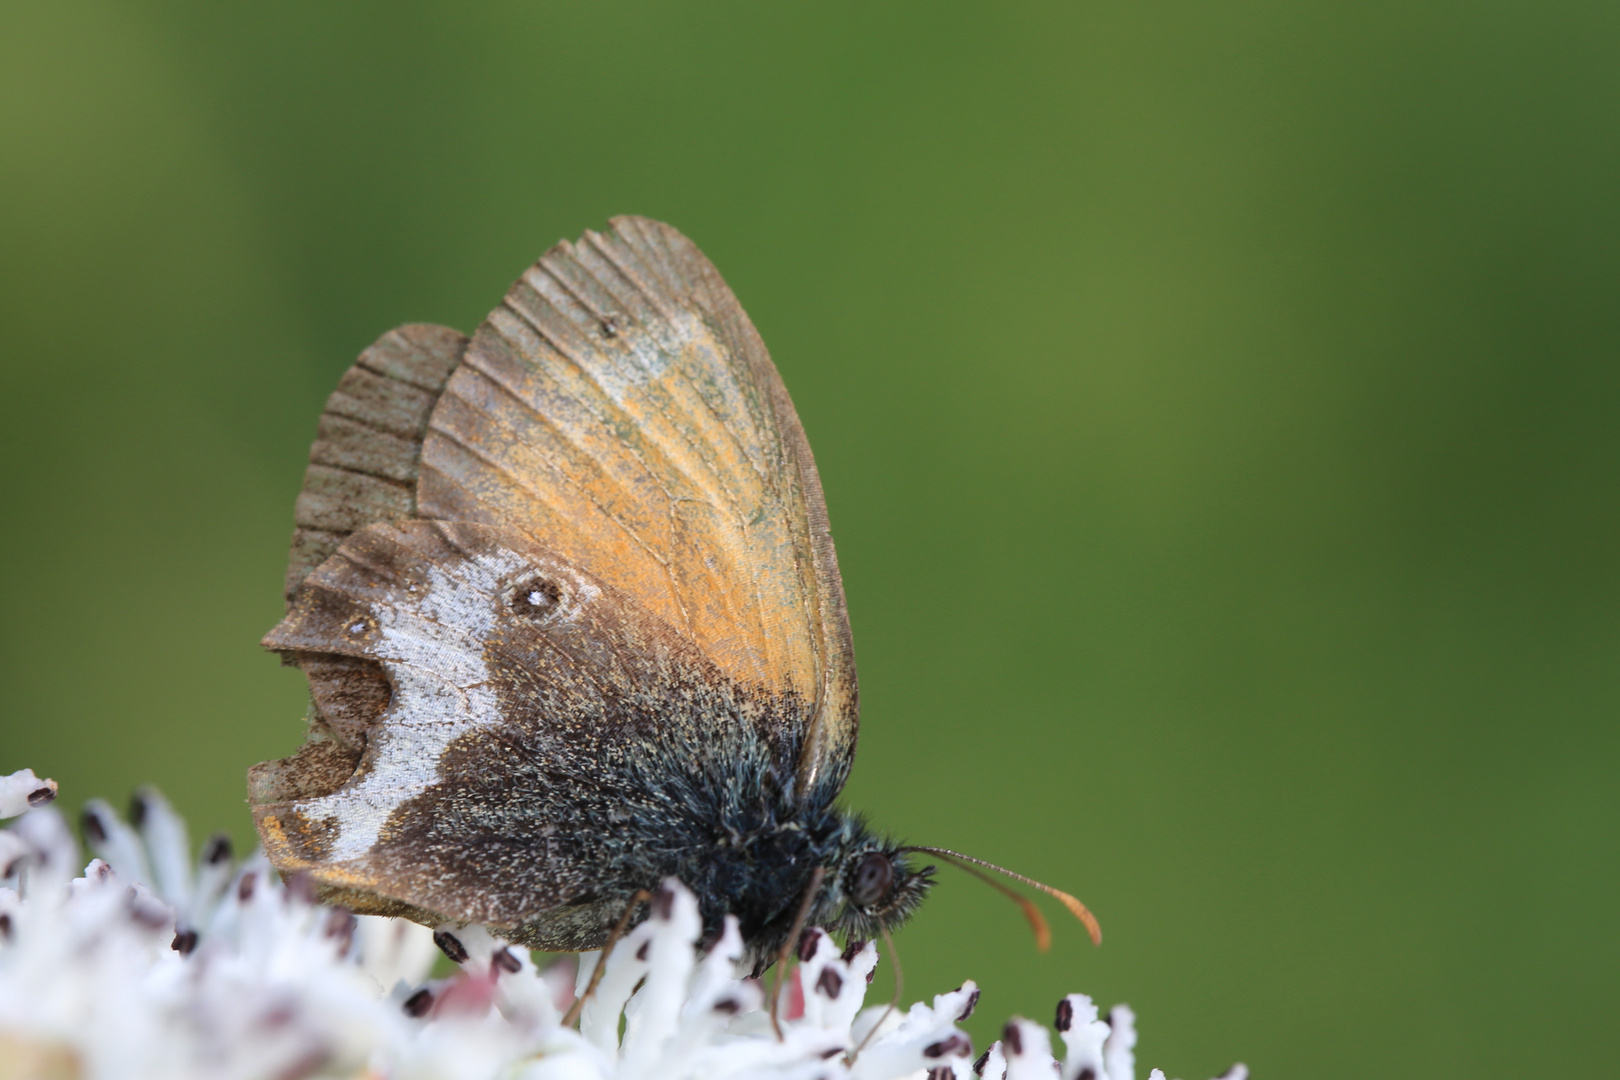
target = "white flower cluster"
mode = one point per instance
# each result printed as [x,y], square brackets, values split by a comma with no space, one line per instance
[152,966]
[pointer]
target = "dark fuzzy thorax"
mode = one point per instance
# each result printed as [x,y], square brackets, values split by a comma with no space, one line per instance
[721,817]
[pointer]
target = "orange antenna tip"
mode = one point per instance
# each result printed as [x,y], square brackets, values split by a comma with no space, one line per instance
[1037,923]
[1082,913]
[1043,933]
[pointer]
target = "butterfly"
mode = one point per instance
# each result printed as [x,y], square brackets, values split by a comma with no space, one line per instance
[568,606]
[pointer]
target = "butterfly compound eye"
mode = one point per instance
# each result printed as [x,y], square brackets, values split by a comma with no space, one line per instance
[536,598]
[874,877]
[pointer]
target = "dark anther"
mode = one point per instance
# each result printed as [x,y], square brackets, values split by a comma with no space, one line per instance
[419,1003]
[874,877]
[728,1006]
[505,961]
[807,944]
[341,925]
[830,982]
[450,945]
[853,949]
[972,1003]
[1087,1073]
[41,796]
[217,850]
[1011,1036]
[5,926]
[1065,1015]
[641,953]
[831,1052]
[951,1044]
[984,1059]
[184,941]
[93,828]
[10,869]
[942,1072]
[870,975]
[663,902]
[137,810]
[536,597]
[244,888]
[300,886]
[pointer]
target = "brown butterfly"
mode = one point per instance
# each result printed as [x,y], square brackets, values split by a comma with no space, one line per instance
[568,605]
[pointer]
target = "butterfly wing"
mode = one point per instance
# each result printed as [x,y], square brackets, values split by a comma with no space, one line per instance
[615,421]
[368,448]
[502,784]
[363,468]
[620,408]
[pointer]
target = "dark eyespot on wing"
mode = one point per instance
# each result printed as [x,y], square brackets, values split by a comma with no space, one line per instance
[534,598]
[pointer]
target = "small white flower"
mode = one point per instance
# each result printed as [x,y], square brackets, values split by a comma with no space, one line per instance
[152,966]
[22,791]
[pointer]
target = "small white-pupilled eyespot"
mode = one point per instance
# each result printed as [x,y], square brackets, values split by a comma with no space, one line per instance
[535,597]
[149,966]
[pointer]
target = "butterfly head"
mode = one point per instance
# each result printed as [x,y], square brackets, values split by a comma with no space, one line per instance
[871,884]
[880,890]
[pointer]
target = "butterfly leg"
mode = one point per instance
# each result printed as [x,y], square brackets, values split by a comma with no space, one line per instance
[641,897]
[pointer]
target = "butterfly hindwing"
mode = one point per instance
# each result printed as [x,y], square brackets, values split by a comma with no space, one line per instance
[523,688]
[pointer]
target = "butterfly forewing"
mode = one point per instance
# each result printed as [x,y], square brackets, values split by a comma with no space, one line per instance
[621,409]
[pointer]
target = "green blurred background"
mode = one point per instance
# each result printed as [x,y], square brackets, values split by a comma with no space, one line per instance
[1217,405]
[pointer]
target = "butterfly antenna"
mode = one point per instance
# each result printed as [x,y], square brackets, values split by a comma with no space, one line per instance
[641,897]
[1043,933]
[894,998]
[810,891]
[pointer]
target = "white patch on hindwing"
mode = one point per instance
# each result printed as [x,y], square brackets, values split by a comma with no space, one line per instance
[430,642]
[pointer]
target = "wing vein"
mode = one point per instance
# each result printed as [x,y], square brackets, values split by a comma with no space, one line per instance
[538,494]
